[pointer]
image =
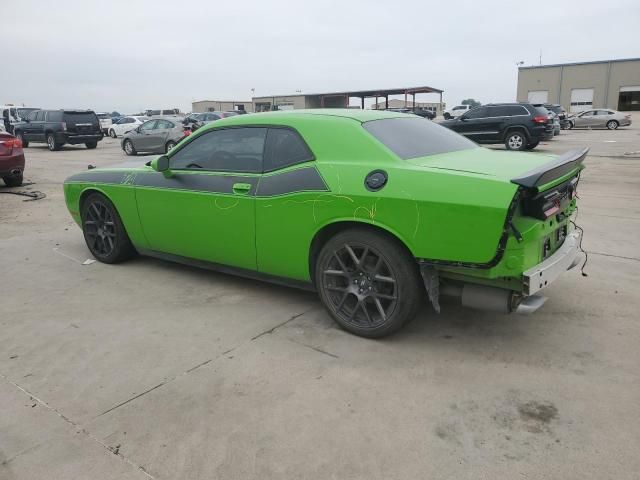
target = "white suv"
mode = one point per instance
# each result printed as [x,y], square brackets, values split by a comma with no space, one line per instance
[456,111]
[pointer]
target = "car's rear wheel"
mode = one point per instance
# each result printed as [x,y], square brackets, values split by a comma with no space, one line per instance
[516,140]
[612,124]
[103,230]
[169,146]
[112,133]
[20,137]
[91,145]
[533,145]
[51,142]
[13,180]
[128,148]
[369,284]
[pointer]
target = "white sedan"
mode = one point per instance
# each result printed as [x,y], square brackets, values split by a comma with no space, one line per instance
[125,124]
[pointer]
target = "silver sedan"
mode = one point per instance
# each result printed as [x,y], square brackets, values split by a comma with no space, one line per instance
[601,118]
[158,135]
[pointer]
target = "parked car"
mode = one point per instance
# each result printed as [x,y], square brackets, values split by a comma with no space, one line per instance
[456,111]
[11,160]
[105,122]
[369,208]
[59,127]
[157,135]
[557,114]
[166,112]
[600,118]
[125,124]
[520,126]
[12,114]
[421,112]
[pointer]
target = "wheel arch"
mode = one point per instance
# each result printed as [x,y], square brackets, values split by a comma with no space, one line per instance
[511,128]
[324,233]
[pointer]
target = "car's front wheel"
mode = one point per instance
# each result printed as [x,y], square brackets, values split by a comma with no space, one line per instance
[129,148]
[612,124]
[169,146]
[103,230]
[516,140]
[368,282]
[112,133]
[570,125]
[447,116]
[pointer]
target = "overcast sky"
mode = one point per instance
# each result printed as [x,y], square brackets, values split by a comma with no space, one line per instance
[132,55]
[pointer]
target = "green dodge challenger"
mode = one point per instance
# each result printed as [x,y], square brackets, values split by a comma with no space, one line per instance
[374,210]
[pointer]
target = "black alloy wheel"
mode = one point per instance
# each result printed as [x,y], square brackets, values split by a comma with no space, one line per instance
[103,230]
[368,283]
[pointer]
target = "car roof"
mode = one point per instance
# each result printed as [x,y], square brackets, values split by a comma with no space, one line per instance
[348,113]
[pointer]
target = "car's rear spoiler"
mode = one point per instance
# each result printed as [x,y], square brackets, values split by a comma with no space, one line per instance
[554,169]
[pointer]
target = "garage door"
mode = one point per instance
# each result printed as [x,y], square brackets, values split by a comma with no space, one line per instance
[581,99]
[629,98]
[538,96]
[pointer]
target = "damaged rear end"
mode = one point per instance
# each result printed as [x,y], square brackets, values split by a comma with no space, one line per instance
[539,243]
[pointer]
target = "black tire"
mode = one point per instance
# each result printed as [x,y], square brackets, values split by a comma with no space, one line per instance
[20,136]
[128,147]
[533,145]
[569,125]
[91,145]
[112,133]
[447,116]
[51,142]
[103,230]
[13,180]
[365,300]
[612,124]
[516,140]
[170,144]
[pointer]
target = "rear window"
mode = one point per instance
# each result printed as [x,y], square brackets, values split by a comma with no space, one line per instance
[416,137]
[541,111]
[103,116]
[54,116]
[80,117]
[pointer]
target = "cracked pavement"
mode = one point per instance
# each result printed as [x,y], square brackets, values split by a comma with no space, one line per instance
[154,370]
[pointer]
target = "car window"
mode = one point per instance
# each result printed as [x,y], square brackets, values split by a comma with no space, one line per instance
[460,108]
[40,116]
[32,115]
[164,124]
[149,125]
[588,113]
[223,150]
[54,116]
[414,137]
[603,112]
[284,147]
[480,112]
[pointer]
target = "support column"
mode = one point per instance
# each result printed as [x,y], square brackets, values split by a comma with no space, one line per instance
[362,102]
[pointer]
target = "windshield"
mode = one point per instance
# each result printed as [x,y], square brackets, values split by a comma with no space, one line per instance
[103,116]
[414,137]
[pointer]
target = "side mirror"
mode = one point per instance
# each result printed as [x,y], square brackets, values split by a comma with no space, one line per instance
[160,164]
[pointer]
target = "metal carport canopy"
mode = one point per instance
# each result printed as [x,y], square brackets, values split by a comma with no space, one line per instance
[385,92]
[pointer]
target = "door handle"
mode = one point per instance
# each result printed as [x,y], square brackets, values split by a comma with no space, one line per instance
[241,188]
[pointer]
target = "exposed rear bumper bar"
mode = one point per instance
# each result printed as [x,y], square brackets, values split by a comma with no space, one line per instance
[546,272]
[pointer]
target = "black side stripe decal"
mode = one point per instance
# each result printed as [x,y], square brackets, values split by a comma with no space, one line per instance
[300,180]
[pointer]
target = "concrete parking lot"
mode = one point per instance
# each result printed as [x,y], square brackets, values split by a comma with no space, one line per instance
[149,369]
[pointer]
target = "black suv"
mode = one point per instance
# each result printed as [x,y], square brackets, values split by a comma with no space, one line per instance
[57,127]
[520,126]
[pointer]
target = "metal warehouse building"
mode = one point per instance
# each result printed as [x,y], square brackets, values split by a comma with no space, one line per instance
[580,86]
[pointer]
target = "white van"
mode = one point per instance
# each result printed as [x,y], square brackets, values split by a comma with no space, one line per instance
[12,114]
[456,111]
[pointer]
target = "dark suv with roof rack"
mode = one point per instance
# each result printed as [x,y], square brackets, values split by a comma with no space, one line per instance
[58,127]
[520,126]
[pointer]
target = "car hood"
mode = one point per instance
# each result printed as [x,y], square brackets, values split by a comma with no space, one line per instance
[503,165]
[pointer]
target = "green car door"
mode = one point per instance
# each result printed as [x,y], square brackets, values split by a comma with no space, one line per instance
[203,207]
